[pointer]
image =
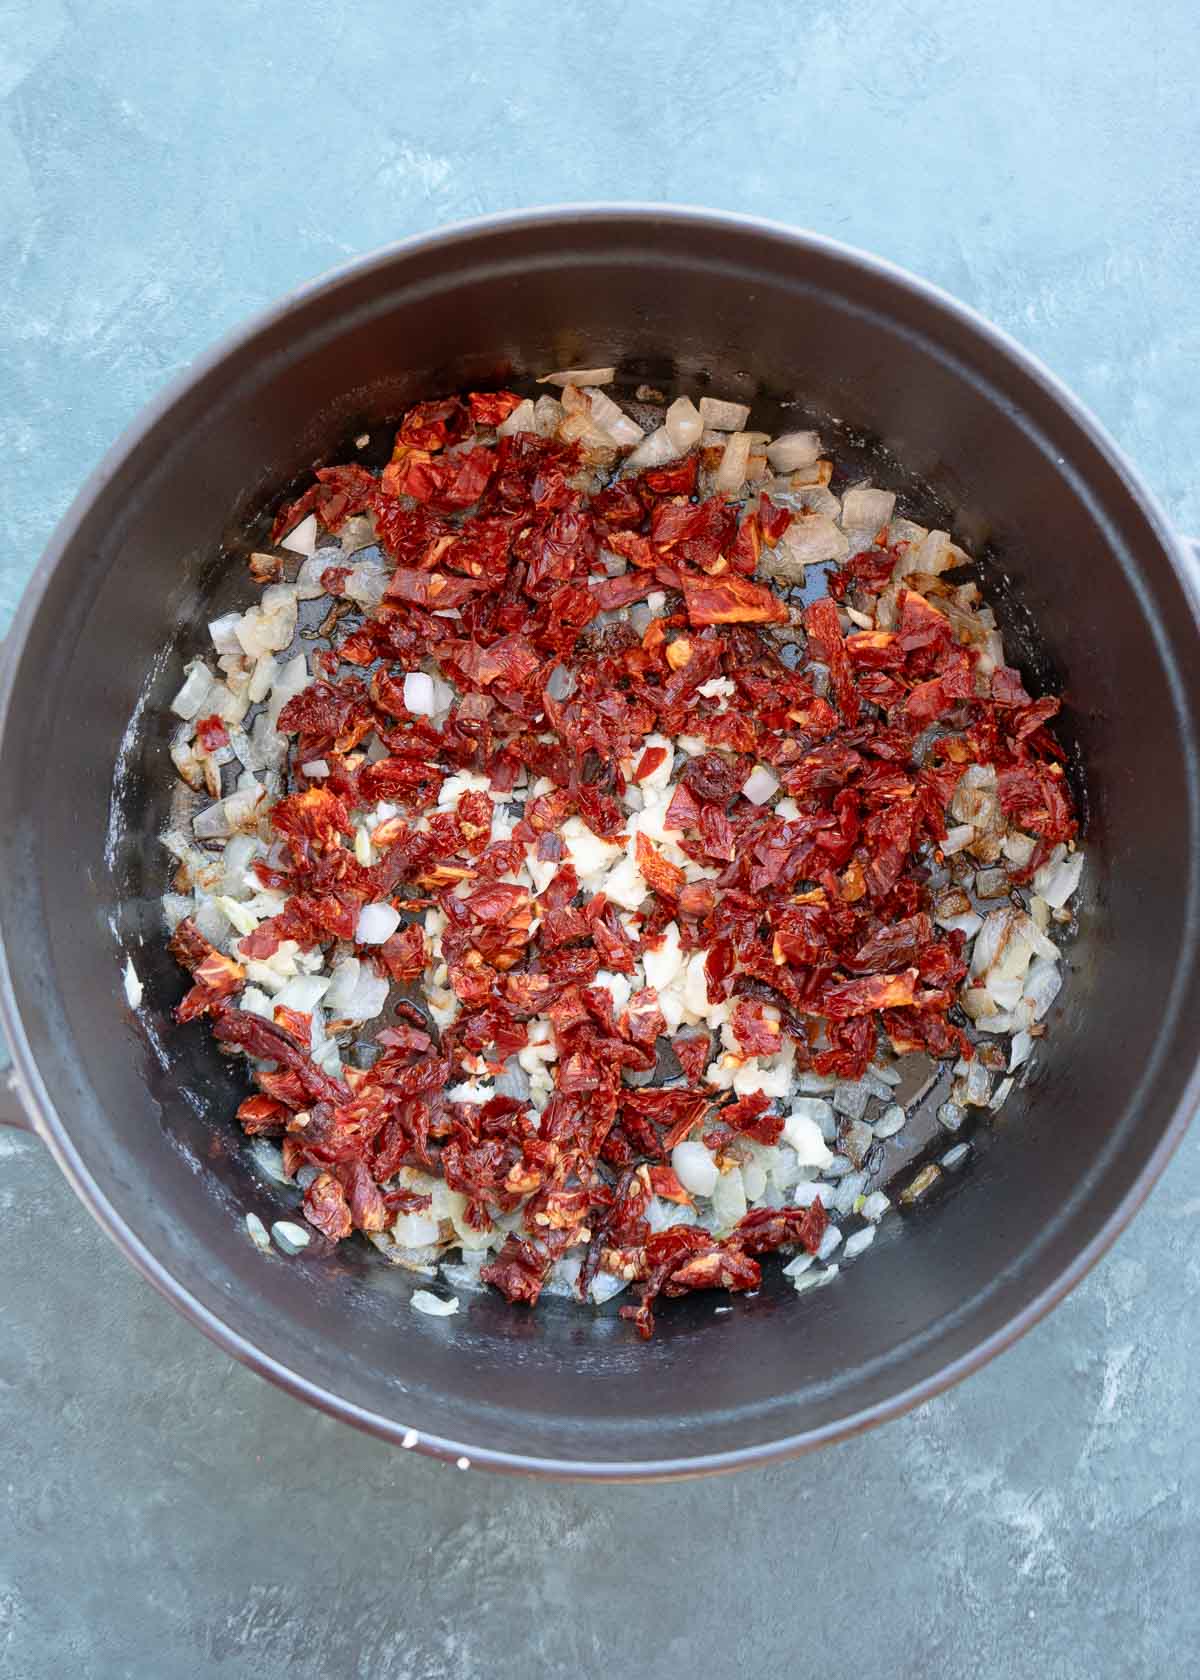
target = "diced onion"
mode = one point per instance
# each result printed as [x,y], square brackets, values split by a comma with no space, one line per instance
[258,1233]
[520,420]
[223,631]
[760,785]
[860,1240]
[812,538]
[731,474]
[655,450]
[865,509]
[435,1306]
[289,1236]
[611,418]
[1058,880]
[376,923]
[803,1134]
[419,694]
[302,539]
[196,691]
[695,1168]
[580,376]
[791,450]
[718,416]
[684,425]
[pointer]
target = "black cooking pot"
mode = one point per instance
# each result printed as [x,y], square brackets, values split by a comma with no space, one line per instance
[1094,589]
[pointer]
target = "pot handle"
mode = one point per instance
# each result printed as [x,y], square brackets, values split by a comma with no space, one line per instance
[12,1109]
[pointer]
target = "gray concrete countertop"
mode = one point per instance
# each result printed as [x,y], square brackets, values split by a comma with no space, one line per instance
[166,169]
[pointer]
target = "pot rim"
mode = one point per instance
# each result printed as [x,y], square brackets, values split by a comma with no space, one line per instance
[48,1123]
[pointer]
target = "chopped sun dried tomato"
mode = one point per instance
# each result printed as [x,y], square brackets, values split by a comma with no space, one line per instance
[493,817]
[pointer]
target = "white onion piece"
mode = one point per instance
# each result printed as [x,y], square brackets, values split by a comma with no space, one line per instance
[355,993]
[316,769]
[175,907]
[956,839]
[289,1236]
[695,1168]
[760,785]
[419,695]
[520,420]
[1042,985]
[718,416]
[1021,1050]
[803,1134]
[1057,881]
[548,415]
[223,631]
[366,584]
[811,538]
[290,681]
[731,474]
[934,553]
[308,584]
[729,1198]
[791,450]
[860,1240]
[256,1002]
[891,1121]
[211,823]
[302,538]
[376,923]
[197,688]
[580,376]
[238,915]
[865,509]
[303,993]
[258,1233]
[434,1305]
[684,425]
[611,418]
[655,450]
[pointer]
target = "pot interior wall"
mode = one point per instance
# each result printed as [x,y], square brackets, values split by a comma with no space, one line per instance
[686,304]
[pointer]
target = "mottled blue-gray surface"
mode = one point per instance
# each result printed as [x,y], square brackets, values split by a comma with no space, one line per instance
[166,169]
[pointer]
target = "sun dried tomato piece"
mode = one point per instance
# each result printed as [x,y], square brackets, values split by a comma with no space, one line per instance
[873,991]
[668,1252]
[764,1229]
[368,1211]
[721,1267]
[692,1051]
[432,425]
[211,734]
[1035,797]
[339,493]
[404,954]
[263,1116]
[756,1033]
[827,644]
[851,1047]
[731,600]
[710,777]
[676,479]
[659,873]
[749,1116]
[518,1271]
[492,408]
[870,570]
[326,1207]
[261,1038]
